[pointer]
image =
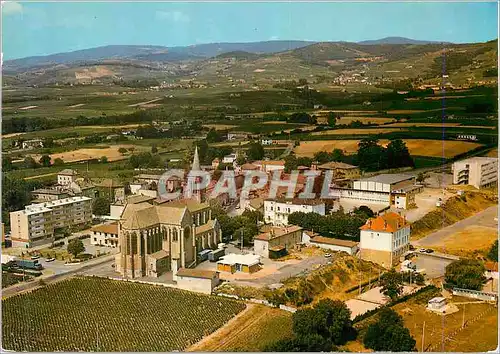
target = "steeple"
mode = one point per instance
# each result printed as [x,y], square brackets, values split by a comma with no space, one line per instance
[196,161]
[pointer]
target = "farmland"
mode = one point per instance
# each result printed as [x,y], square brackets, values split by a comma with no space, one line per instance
[417,147]
[249,332]
[91,314]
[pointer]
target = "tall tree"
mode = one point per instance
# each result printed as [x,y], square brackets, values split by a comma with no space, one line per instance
[101,206]
[398,154]
[389,333]
[392,284]
[45,161]
[30,162]
[255,151]
[371,156]
[75,247]
[493,252]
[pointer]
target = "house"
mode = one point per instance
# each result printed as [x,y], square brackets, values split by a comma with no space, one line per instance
[203,281]
[66,177]
[341,171]
[479,172]
[491,270]
[47,194]
[276,211]
[267,141]
[112,190]
[392,190]
[229,158]
[32,144]
[270,165]
[236,135]
[246,263]
[334,244]
[105,235]
[283,237]
[384,239]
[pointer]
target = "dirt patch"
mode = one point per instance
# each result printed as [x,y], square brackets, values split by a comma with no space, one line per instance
[144,103]
[111,152]
[357,131]
[219,126]
[27,108]
[417,147]
[77,105]
[93,73]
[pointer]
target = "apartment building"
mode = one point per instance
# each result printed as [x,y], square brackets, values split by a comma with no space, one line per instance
[105,235]
[479,172]
[66,177]
[341,171]
[38,223]
[276,211]
[384,239]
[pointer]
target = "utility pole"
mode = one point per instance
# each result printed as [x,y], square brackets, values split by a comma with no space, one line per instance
[423,336]
[463,317]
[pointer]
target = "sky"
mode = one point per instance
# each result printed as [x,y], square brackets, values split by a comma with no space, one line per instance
[41,28]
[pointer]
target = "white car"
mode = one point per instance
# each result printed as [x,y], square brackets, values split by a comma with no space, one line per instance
[423,250]
[327,255]
[50,260]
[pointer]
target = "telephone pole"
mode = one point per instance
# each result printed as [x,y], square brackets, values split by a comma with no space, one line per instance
[423,336]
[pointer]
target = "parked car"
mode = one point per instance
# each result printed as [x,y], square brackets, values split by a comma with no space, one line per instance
[422,250]
[50,260]
[412,248]
[429,250]
[35,257]
[327,255]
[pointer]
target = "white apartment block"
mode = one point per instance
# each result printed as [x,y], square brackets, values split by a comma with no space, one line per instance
[276,211]
[37,223]
[479,172]
[384,239]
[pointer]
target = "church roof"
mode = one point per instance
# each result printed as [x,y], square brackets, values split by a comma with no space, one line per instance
[196,161]
[191,204]
[205,227]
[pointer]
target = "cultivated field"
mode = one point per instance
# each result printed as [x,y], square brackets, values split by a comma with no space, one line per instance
[92,314]
[250,331]
[357,131]
[220,126]
[437,125]
[417,147]
[362,119]
[111,152]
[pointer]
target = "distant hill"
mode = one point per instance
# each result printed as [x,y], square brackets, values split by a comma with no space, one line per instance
[150,53]
[397,40]
[238,54]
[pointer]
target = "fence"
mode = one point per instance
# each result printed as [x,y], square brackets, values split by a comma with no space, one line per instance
[475,294]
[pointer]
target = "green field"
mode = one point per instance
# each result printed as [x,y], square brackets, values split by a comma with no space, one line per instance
[93,314]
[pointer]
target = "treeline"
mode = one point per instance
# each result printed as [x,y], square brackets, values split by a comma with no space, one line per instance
[372,156]
[336,225]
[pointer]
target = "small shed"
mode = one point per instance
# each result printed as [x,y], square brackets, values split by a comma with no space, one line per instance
[335,244]
[246,263]
[437,304]
[202,281]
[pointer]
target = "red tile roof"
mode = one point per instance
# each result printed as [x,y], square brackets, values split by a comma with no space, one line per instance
[491,266]
[389,222]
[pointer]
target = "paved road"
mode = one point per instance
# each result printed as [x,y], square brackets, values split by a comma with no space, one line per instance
[71,270]
[484,218]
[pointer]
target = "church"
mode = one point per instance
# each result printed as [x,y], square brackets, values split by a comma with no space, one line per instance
[154,239]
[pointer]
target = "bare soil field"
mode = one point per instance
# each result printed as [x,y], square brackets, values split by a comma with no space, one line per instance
[357,131]
[417,147]
[437,125]
[111,152]
[469,241]
[249,331]
[220,126]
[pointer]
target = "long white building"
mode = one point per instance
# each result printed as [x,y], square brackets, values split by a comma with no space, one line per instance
[38,223]
[276,211]
[479,172]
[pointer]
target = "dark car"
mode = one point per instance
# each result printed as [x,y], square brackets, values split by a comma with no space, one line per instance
[429,250]
[412,248]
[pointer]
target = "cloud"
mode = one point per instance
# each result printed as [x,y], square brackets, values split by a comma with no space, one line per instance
[11,8]
[174,16]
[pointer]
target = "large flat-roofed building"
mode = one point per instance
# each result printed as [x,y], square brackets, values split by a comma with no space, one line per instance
[479,172]
[154,239]
[48,194]
[203,281]
[38,223]
[341,170]
[384,239]
[393,190]
[276,211]
[277,238]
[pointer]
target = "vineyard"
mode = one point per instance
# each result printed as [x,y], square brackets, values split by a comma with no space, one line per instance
[94,314]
